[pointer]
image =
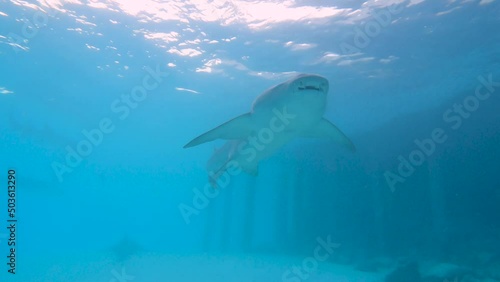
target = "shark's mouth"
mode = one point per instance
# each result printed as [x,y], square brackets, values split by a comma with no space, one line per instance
[310,88]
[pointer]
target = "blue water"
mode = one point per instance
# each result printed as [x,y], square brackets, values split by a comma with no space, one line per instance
[98,98]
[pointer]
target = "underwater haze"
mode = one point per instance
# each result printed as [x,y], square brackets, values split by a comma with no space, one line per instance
[245,140]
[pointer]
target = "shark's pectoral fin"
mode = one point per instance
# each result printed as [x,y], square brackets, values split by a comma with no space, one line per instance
[326,129]
[238,128]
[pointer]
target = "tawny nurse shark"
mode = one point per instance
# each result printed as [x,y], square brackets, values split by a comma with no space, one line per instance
[288,110]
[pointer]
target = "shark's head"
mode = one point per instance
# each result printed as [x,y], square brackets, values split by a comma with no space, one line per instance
[305,84]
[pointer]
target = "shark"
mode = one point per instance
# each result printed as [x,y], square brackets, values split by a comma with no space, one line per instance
[292,109]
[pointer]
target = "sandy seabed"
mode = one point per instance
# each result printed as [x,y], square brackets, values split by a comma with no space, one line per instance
[190,268]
